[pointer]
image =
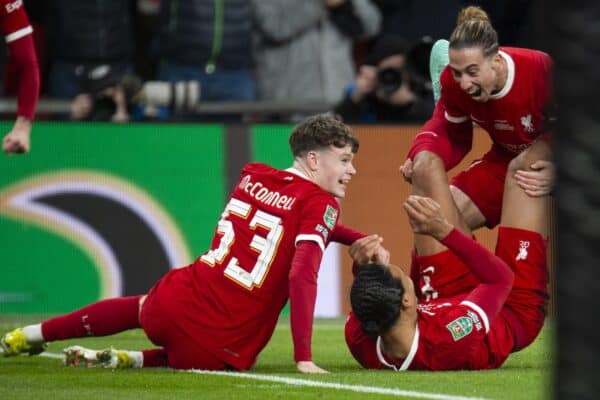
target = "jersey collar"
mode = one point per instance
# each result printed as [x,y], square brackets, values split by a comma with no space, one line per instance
[510,76]
[409,358]
[297,172]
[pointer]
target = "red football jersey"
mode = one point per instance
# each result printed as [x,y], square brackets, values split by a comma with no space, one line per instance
[13,20]
[238,288]
[513,117]
[451,335]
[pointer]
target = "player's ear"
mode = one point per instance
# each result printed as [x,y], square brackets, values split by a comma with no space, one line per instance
[407,301]
[497,59]
[312,159]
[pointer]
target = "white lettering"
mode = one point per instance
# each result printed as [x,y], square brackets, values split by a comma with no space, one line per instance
[14,6]
[254,187]
[272,198]
[282,201]
[269,197]
[262,193]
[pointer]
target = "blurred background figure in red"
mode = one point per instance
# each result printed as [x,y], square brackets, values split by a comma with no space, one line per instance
[18,35]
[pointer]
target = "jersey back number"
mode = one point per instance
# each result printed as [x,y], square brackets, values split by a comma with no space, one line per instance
[264,246]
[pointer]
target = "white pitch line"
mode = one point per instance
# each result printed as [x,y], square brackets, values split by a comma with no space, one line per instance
[51,355]
[338,386]
[329,385]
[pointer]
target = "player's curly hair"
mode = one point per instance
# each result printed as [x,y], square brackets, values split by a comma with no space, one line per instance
[376,298]
[321,131]
[474,30]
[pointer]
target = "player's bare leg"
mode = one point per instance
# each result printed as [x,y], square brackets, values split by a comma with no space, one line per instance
[429,179]
[520,210]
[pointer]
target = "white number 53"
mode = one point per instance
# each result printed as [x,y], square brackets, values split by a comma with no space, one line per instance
[266,247]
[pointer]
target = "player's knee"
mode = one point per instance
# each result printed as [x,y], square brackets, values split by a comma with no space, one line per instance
[538,151]
[425,167]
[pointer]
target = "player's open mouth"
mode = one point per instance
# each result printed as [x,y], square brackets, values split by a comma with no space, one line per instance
[475,93]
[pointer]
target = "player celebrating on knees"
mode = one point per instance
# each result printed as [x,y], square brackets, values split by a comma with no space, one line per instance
[503,313]
[506,91]
[219,312]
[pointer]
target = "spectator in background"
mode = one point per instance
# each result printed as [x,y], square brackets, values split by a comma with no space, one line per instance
[85,35]
[209,41]
[18,35]
[391,86]
[103,97]
[304,48]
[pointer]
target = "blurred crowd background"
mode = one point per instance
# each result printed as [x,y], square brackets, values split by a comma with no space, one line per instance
[136,60]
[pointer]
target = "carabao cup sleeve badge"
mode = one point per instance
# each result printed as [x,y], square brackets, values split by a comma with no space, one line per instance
[330,217]
[460,327]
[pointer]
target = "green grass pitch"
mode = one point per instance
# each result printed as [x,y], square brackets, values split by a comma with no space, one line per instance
[526,375]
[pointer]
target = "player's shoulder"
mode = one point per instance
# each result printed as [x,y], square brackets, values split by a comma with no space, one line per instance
[450,87]
[290,181]
[527,57]
[453,97]
[288,176]
[257,167]
[449,318]
[446,76]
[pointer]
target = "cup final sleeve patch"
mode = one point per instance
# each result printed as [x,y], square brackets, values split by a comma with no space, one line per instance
[330,216]
[460,327]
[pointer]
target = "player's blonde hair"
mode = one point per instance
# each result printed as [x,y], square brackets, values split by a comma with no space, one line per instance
[474,30]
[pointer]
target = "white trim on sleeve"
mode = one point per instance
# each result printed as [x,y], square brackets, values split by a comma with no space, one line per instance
[313,238]
[431,133]
[455,120]
[478,310]
[19,34]
[409,358]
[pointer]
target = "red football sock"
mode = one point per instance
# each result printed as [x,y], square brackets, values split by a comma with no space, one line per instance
[155,358]
[105,317]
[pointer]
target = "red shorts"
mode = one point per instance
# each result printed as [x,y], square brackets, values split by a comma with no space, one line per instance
[483,183]
[443,275]
[158,319]
[525,309]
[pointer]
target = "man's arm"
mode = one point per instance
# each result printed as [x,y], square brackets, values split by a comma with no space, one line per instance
[345,235]
[303,295]
[451,141]
[496,277]
[17,30]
